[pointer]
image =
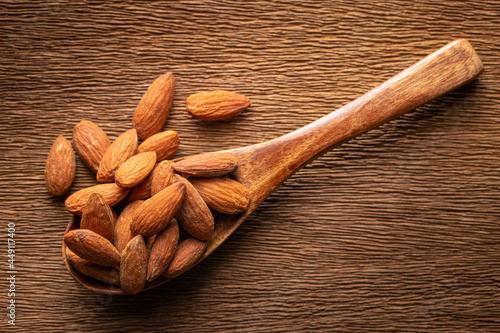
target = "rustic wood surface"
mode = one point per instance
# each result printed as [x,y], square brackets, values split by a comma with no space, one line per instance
[396,231]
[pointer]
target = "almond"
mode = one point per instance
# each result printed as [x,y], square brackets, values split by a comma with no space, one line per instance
[156,213]
[222,194]
[153,110]
[120,150]
[112,193]
[216,105]
[122,232]
[194,215]
[150,242]
[98,216]
[163,250]
[206,165]
[90,142]
[135,169]
[162,177]
[60,167]
[187,254]
[92,247]
[133,266]
[102,273]
[164,144]
[143,190]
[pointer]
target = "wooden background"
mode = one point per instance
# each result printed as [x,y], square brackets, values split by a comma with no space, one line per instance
[396,231]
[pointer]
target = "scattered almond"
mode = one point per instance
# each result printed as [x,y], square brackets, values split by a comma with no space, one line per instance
[90,142]
[154,108]
[98,216]
[222,194]
[133,266]
[112,193]
[60,167]
[120,150]
[122,232]
[187,254]
[164,144]
[92,247]
[194,215]
[156,213]
[102,273]
[143,190]
[162,177]
[150,242]
[163,250]
[135,169]
[206,165]
[216,105]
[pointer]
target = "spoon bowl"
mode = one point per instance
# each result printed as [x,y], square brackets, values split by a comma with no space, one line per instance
[263,167]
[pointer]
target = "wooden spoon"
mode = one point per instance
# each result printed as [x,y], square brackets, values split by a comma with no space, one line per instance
[263,167]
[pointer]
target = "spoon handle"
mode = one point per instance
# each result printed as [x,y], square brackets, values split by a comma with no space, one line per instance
[442,71]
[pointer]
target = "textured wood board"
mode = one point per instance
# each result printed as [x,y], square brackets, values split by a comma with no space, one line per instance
[396,231]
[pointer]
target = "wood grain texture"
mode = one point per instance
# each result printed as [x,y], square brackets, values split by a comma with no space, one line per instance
[396,231]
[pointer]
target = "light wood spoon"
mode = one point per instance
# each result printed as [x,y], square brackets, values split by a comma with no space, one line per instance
[263,167]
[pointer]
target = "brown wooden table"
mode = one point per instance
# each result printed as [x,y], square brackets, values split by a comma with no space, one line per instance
[396,231]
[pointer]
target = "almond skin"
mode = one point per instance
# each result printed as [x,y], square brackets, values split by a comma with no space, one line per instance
[222,194]
[164,144]
[187,254]
[92,247]
[122,232]
[156,213]
[112,193]
[194,215]
[216,105]
[102,273]
[133,266]
[90,142]
[60,167]
[163,176]
[98,216]
[163,250]
[135,169]
[120,150]
[153,110]
[206,165]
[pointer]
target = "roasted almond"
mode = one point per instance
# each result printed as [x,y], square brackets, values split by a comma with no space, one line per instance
[90,142]
[120,150]
[122,232]
[92,247]
[156,213]
[162,177]
[222,194]
[60,167]
[150,241]
[163,250]
[102,273]
[187,254]
[206,165]
[164,144]
[134,170]
[154,108]
[216,105]
[134,265]
[98,216]
[194,215]
[143,190]
[112,193]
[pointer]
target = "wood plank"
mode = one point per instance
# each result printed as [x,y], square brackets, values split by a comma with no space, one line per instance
[396,231]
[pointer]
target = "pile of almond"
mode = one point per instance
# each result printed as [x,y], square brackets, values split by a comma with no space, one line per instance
[169,205]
